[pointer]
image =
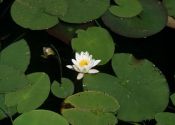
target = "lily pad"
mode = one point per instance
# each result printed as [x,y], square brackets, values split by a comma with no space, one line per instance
[151,20]
[165,118]
[169,4]
[32,96]
[140,88]
[63,89]
[173,98]
[11,79]
[81,11]
[126,8]
[77,117]
[90,107]
[40,117]
[16,55]
[97,41]
[4,110]
[38,14]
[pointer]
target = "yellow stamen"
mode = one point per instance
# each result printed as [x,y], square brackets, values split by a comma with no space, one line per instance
[84,62]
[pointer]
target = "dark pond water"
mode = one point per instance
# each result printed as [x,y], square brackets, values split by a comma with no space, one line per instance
[159,49]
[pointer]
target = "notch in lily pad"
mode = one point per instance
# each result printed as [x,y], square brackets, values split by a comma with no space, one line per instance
[139,88]
[90,107]
[95,40]
[32,96]
[38,14]
[63,89]
[150,21]
[81,11]
[126,8]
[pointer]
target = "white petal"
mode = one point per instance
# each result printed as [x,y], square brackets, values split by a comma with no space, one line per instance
[96,62]
[81,54]
[76,68]
[90,57]
[70,66]
[93,71]
[80,76]
[74,61]
[86,54]
[77,56]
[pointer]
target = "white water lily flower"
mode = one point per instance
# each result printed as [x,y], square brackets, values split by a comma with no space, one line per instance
[83,63]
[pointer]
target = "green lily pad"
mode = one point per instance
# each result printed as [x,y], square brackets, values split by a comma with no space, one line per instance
[140,88]
[11,79]
[90,107]
[77,117]
[165,118]
[32,96]
[173,98]
[16,55]
[40,117]
[126,8]
[169,4]
[38,14]
[4,110]
[151,20]
[63,90]
[81,11]
[97,41]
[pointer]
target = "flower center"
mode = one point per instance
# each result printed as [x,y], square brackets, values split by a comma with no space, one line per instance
[84,62]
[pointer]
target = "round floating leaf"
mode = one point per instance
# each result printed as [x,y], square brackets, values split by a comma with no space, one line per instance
[90,107]
[63,90]
[16,55]
[11,79]
[32,96]
[165,118]
[151,20]
[77,117]
[140,89]
[4,110]
[173,98]
[40,117]
[2,106]
[97,41]
[38,14]
[126,8]
[93,100]
[81,11]
[169,4]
